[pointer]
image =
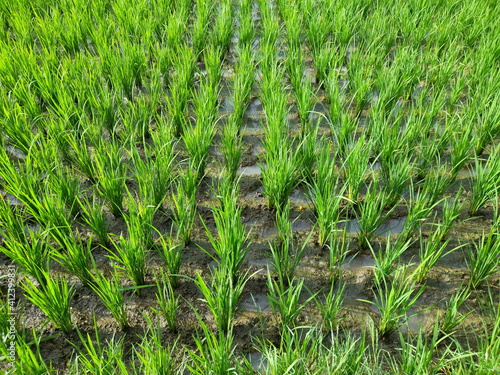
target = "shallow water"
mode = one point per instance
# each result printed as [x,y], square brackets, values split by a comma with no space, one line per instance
[251,170]
[256,303]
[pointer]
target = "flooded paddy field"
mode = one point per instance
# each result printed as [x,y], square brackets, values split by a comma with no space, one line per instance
[250,187]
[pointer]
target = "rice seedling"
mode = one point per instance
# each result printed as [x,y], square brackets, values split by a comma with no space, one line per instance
[170,251]
[130,257]
[485,184]
[489,346]
[53,298]
[486,123]
[298,351]
[332,306]
[231,147]
[204,10]
[168,302]
[397,174]
[452,317]
[30,251]
[111,172]
[223,26]
[80,155]
[430,252]
[153,176]
[419,210]
[97,357]
[180,89]
[231,246]
[110,292]
[285,300]
[385,259]
[214,352]
[246,30]
[355,165]
[222,296]
[461,151]
[371,214]
[394,298]
[198,139]
[74,255]
[184,205]
[285,253]
[153,357]
[95,218]
[346,355]
[483,258]
[30,360]
[306,153]
[279,175]
[243,81]
[326,195]
[451,212]
[338,248]
[418,356]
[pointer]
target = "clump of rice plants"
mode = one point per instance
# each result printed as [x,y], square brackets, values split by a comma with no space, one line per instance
[110,292]
[184,205]
[167,300]
[231,246]
[452,316]
[483,258]
[485,185]
[393,298]
[371,213]
[53,298]
[326,195]
[285,253]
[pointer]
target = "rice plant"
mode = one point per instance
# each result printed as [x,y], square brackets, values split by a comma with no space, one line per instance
[94,216]
[111,172]
[285,253]
[485,185]
[110,292]
[170,251]
[452,317]
[74,255]
[30,250]
[285,300]
[130,257]
[386,258]
[298,351]
[393,298]
[483,258]
[184,205]
[153,357]
[355,165]
[431,251]
[198,138]
[29,357]
[168,302]
[332,306]
[214,352]
[231,245]
[371,213]
[451,212]
[99,357]
[489,347]
[418,355]
[53,298]
[279,175]
[326,195]
[338,248]
[419,210]
[222,295]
